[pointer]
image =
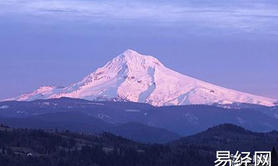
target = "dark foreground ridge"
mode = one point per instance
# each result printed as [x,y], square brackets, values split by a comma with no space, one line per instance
[29,147]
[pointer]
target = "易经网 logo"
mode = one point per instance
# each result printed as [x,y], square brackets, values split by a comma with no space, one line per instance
[260,158]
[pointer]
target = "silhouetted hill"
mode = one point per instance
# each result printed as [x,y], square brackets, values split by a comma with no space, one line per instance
[83,123]
[73,120]
[143,133]
[232,137]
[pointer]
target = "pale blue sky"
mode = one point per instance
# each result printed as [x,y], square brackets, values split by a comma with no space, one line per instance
[57,42]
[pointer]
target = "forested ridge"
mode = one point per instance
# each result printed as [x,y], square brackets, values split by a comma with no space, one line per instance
[29,147]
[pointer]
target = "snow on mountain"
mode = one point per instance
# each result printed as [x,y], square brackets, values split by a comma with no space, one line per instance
[140,78]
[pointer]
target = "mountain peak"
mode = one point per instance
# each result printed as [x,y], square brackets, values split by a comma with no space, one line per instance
[132,58]
[130,52]
[142,78]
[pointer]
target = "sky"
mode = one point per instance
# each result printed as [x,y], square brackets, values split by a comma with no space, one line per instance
[230,43]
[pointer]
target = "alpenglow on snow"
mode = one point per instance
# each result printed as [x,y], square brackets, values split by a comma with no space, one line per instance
[140,78]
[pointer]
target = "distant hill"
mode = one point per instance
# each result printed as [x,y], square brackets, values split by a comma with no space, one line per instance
[143,133]
[92,116]
[83,123]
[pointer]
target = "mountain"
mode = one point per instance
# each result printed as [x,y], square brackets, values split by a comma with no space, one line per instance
[140,78]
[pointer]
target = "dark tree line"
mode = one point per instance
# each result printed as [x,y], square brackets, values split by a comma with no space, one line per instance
[71,149]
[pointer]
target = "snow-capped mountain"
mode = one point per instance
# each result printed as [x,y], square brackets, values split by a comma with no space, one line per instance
[140,78]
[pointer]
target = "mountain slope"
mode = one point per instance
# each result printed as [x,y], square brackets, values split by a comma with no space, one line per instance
[139,78]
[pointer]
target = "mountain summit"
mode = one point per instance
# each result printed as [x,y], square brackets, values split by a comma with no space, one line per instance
[140,78]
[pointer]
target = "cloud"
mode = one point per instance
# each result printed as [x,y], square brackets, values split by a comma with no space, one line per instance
[251,17]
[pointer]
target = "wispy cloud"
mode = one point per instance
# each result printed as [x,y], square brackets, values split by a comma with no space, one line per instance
[250,17]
